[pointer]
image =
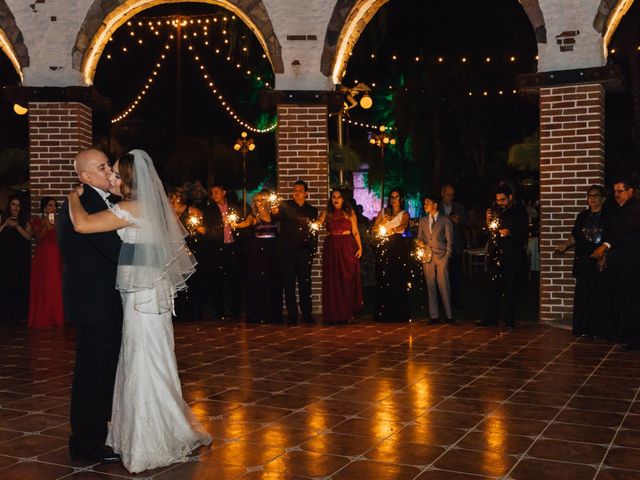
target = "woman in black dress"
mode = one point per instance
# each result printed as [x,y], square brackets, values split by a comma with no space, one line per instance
[591,302]
[189,303]
[392,266]
[264,290]
[15,258]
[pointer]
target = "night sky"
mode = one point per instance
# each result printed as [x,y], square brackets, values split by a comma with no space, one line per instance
[471,30]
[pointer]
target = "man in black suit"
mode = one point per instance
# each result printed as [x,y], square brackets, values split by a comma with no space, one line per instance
[220,252]
[295,247]
[507,224]
[620,252]
[454,211]
[93,305]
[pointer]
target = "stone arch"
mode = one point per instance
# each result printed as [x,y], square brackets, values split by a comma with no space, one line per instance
[608,17]
[350,17]
[11,40]
[534,13]
[104,17]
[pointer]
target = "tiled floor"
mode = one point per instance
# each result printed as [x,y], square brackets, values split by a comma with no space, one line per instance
[364,401]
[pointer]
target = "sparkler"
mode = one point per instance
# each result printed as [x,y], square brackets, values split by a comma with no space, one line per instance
[418,253]
[193,223]
[274,200]
[232,218]
[314,227]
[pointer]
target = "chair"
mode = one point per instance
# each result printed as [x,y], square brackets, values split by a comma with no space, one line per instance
[474,259]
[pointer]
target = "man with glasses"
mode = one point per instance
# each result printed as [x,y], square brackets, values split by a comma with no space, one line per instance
[620,254]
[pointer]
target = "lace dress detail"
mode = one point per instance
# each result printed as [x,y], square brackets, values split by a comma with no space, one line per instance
[151,424]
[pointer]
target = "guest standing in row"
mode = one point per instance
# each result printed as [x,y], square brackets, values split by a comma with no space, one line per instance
[393,258]
[454,211]
[221,253]
[591,300]
[264,287]
[15,255]
[620,255]
[189,302]
[45,298]
[508,229]
[341,283]
[295,248]
[435,235]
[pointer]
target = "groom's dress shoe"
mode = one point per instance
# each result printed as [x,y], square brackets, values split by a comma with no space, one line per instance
[96,454]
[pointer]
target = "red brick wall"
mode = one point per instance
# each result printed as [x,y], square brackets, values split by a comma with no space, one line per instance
[57,132]
[571,159]
[303,154]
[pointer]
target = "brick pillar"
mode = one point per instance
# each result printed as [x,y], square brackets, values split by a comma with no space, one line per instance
[57,132]
[571,159]
[303,154]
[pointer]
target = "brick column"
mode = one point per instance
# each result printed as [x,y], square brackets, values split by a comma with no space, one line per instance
[303,154]
[571,159]
[57,132]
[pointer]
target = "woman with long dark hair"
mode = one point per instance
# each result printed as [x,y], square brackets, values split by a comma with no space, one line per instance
[341,284]
[392,268]
[45,297]
[15,255]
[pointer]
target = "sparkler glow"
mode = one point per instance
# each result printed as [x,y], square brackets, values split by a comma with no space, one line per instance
[232,218]
[314,227]
[418,253]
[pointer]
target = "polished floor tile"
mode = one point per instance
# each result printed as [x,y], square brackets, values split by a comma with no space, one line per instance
[349,402]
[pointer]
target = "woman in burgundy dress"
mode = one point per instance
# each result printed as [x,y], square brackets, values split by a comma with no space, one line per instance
[45,299]
[341,285]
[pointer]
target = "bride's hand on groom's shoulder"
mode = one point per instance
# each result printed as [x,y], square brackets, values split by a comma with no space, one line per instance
[79,190]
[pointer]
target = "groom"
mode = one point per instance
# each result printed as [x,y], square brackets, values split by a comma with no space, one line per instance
[92,304]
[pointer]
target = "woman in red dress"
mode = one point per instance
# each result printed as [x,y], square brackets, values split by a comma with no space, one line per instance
[45,300]
[341,284]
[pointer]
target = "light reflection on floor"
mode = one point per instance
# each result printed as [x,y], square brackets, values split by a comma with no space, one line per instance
[363,401]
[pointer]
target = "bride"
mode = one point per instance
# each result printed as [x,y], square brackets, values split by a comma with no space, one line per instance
[151,425]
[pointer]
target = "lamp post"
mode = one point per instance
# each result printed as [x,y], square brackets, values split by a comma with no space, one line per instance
[350,93]
[382,140]
[244,145]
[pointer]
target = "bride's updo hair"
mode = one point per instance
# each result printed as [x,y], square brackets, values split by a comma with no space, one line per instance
[125,167]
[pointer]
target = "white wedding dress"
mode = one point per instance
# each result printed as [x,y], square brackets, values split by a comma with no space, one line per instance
[151,425]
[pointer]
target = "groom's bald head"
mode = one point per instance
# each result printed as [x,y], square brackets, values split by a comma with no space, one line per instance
[92,167]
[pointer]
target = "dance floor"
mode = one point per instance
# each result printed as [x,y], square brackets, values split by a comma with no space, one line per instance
[363,402]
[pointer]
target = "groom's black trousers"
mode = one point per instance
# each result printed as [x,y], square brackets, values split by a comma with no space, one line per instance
[97,351]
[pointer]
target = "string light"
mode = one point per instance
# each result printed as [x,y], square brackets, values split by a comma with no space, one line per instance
[223,102]
[143,92]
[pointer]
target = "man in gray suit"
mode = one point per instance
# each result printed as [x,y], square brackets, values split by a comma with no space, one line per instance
[435,235]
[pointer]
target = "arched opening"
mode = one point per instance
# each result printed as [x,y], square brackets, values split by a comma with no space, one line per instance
[444,85]
[350,18]
[11,41]
[103,20]
[183,80]
[622,119]
[14,138]
[608,17]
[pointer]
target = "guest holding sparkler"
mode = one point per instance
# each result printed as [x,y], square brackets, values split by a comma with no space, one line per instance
[296,246]
[435,237]
[507,224]
[341,284]
[220,253]
[189,303]
[392,268]
[263,274]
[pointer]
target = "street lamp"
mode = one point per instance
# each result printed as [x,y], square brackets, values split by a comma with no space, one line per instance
[382,140]
[366,102]
[244,145]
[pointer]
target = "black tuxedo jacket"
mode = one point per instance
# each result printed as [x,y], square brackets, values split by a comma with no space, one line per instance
[213,221]
[458,228]
[294,231]
[623,233]
[89,267]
